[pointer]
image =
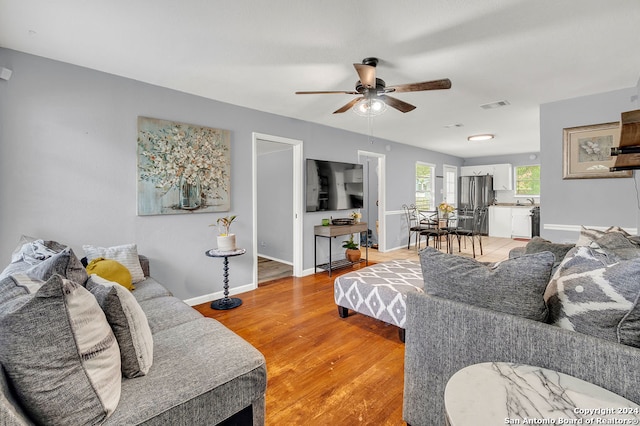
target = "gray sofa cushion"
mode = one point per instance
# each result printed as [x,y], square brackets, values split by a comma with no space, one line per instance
[128,322]
[514,286]
[65,264]
[166,312]
[201,369]
[60,354]
[149,289]
[592,295]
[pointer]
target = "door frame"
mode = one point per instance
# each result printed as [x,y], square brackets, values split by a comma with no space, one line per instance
[297,189]
[382,197]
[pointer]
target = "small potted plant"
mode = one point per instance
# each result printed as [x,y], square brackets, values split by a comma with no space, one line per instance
[352,251]
[226,240]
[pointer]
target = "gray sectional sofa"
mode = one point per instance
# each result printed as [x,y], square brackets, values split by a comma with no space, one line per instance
[445,333]
[202,372]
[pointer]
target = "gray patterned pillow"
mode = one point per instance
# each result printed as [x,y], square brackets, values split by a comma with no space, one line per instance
[514,286]
[60,354]
[591,295]
[64,263]
[128,322]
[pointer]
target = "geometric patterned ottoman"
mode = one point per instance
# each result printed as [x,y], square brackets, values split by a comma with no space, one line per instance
[379,291]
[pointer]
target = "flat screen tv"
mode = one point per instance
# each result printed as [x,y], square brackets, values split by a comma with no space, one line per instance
[333,185]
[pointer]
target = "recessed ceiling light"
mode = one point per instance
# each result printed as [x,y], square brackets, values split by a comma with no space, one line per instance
[484,137]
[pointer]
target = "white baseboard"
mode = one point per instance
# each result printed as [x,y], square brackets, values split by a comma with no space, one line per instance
[275,259]
[218,295]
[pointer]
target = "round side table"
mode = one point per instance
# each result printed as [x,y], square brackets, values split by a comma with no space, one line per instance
[226,302]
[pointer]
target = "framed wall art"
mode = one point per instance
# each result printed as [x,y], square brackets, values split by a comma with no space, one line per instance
[182,168]
[587,151]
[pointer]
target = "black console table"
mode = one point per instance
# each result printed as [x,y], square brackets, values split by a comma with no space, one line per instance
[332,231]
[226,302]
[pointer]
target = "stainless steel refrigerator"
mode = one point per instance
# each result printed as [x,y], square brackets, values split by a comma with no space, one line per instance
[474,192]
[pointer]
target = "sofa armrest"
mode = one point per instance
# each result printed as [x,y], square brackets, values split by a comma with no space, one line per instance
[516,252]
[443,336]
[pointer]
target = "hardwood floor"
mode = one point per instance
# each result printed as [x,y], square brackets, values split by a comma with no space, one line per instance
[323,369]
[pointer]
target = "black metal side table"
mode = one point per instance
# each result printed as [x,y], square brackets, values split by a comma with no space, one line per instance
[226,302]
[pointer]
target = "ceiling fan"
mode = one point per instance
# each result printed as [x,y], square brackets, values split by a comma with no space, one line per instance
[372,88]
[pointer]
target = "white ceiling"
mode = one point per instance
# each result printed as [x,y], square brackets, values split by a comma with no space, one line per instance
[258,53]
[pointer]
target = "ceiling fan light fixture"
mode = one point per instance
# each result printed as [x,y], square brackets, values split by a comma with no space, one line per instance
[483,137]
[369,107]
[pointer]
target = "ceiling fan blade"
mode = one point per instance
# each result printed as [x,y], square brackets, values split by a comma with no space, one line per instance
[417,87]
[367,75]
[348,106]
[342,92]
[401,106]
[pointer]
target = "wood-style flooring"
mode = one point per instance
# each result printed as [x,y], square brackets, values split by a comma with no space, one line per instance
[322,369]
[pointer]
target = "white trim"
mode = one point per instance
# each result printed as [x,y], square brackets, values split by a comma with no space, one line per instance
[218,295]
[455,183]
[275,259]
[298,198]
[393,212]
[577,228]
[382,196]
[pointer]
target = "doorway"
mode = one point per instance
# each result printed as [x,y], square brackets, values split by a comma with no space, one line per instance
[277,201]
[374,188]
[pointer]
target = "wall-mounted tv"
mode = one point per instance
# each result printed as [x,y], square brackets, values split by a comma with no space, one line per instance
[333,185]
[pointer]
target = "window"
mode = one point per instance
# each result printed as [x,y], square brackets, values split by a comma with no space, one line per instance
[528,181]
[450,184]
[424,186]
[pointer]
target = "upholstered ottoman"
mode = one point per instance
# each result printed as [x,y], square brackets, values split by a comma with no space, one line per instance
[379,291]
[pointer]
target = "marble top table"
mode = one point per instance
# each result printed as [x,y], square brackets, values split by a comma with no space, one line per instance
[497,393]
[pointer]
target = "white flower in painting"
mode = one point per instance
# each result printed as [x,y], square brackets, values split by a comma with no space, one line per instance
[184,152]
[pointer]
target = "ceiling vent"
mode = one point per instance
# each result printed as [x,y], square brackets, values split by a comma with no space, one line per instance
[494,105]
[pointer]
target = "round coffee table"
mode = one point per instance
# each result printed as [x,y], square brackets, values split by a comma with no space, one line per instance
[226,302]
[495,393]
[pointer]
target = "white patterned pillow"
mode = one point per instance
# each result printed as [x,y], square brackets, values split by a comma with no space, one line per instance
[128,322]
[126,254]
[591,295]
[60,354]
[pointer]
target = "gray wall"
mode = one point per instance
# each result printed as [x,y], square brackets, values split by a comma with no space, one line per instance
[589,202]
[275,198]
[68,169]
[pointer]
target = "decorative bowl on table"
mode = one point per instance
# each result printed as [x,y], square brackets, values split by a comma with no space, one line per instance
[342,221]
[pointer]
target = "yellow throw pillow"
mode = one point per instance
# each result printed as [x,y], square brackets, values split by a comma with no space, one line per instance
[111,270]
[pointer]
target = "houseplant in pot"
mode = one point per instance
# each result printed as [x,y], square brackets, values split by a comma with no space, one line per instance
[352,251]
[226,240]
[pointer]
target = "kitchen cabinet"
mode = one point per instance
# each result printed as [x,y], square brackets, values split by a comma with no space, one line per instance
[510,221]
[521,222]
[502,177]
[500,221]
[502,174]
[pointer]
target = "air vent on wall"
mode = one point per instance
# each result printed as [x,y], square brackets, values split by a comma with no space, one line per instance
[493,105]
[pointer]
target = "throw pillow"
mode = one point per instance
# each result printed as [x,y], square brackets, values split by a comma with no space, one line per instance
[60,354]
[590,295]
[128,322]
[616,244]
[126,254]
[64,263]
[30,252]
[514,286]
[537,245]
[111,270]
[587,235]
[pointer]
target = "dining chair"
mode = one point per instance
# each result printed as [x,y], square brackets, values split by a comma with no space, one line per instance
[471,230]
[433,230]
[413,223]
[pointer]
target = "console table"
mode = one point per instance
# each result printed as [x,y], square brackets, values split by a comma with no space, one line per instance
[332,231]
[496,393]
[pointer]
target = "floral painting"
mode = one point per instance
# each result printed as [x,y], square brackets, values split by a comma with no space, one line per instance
[182,168]
[587,151]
